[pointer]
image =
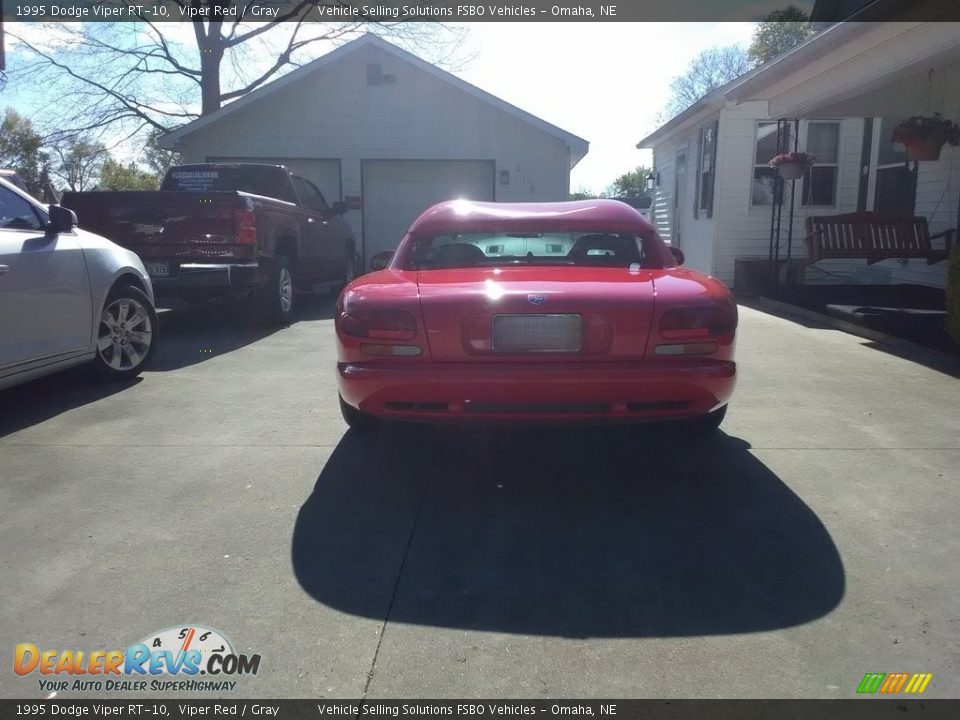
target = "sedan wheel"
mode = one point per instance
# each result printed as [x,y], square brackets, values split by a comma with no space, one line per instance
[126,333]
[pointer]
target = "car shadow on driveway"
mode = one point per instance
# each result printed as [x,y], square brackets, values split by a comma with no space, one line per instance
[596,532]
[191,334]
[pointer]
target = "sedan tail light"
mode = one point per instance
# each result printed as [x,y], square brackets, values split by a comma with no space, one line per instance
[378,324]
[245,226]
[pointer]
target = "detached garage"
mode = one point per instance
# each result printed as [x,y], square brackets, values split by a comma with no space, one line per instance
[389,134]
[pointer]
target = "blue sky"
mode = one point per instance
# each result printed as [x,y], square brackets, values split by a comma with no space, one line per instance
[605,82]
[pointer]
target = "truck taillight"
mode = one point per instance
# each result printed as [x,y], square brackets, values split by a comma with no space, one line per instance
[245,226]
[378,324]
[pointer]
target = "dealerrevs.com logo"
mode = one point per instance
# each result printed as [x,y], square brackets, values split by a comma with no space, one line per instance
[172,659]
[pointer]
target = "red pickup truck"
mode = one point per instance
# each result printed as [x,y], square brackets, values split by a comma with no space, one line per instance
[228,229]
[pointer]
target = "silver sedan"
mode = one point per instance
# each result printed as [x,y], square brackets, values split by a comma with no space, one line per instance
[68,296]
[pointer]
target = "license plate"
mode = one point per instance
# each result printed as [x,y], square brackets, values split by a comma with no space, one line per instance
[536,333]
[158,269]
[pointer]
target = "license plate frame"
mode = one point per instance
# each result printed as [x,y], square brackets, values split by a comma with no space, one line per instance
[158,269]
[532,333]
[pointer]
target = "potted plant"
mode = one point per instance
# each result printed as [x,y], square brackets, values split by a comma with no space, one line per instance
[924,136]
[792,165]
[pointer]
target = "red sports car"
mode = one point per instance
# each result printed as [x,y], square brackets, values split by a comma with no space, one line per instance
[534,312]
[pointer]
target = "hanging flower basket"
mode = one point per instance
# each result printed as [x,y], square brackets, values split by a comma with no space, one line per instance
[924,136]
[792,165]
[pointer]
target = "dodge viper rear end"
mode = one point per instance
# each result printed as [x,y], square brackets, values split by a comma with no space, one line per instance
[544,312]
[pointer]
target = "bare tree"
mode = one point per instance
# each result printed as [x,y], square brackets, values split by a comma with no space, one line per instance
[77,162]
[711,69]
[127,77]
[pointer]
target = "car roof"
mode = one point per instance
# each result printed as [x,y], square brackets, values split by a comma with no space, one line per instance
[463,216]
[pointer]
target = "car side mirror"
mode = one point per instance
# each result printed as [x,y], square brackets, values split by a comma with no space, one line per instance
[677,254]
[381,260]
[339,208]
[62,220]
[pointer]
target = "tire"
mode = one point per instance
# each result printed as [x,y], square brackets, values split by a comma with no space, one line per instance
[276,297]
[126,334]
[355,419]
[710,422]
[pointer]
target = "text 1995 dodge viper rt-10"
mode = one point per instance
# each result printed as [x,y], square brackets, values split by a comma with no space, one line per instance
[537,312]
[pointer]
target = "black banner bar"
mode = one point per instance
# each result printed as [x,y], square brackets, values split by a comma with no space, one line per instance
[459,11]
[176,709]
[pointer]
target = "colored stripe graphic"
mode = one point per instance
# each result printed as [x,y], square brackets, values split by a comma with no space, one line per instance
[894,682]
[871,682]
[918,683]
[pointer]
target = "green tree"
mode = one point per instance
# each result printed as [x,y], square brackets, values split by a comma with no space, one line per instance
[21,148]
[114,175]
[77,162]
[711,69]
[631,184]
[583,194]
[778,32]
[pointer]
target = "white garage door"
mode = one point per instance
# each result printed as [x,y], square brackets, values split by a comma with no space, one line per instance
[325,174]
[395,192]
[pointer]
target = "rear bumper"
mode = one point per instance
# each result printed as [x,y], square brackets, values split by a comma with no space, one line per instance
[464,392]
[209,276]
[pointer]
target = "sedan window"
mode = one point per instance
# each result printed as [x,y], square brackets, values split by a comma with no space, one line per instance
[16,213]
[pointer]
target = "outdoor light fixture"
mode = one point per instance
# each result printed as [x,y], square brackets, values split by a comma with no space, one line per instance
[504,177]
[653,180]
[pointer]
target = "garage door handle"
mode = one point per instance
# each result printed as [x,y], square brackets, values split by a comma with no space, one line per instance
[4,269]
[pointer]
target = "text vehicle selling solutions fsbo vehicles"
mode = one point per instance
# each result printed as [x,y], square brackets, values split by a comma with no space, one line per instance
[535,312]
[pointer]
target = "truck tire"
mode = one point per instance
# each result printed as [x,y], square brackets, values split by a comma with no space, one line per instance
[276,297]
[126,335]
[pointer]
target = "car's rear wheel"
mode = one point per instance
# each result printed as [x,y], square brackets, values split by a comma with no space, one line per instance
[711,421]
[355,419]
[126,334]
[276,297]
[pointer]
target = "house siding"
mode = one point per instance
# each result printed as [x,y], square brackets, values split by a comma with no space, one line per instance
[696,234]
[334,114]
[743,229]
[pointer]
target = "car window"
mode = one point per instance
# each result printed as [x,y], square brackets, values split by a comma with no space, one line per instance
[590,249]
[310,194]
[16,213]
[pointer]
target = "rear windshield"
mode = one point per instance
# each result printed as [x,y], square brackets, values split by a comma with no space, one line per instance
[255,179]
[590,249]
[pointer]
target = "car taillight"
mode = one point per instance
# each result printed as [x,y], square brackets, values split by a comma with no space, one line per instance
[699,322]
[378,324]
[245,226]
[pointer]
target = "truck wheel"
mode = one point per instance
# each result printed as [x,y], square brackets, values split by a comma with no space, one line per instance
[276,297]
[355,419]
[126,334]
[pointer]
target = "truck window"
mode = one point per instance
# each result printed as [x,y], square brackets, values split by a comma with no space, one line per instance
[310,194]
[267,180]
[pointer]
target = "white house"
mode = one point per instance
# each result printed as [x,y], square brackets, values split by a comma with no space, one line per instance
[390,134]
[845,88]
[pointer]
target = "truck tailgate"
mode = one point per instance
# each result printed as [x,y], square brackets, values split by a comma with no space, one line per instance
[161,225]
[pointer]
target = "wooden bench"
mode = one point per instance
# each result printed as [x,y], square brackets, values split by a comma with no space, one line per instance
[873,237]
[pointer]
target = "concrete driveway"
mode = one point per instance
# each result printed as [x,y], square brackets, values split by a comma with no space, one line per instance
[813,541]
